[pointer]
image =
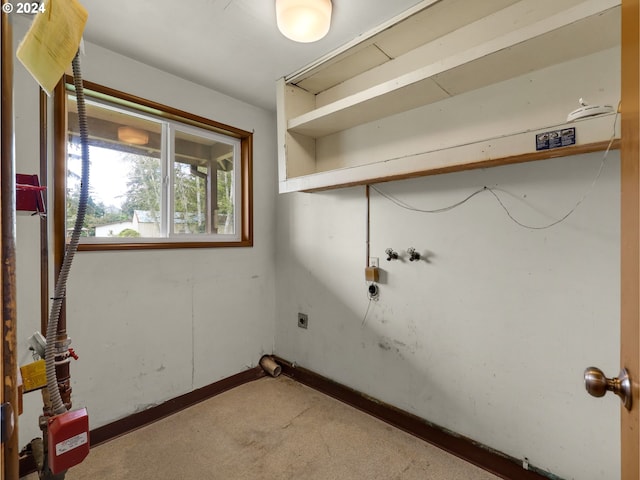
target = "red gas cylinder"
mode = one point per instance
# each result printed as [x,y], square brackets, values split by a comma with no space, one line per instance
[68,436]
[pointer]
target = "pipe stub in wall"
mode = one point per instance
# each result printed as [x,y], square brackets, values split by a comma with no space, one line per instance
[270,366]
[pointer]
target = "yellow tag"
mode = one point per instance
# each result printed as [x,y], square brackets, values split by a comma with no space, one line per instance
[34,375]
[52,41]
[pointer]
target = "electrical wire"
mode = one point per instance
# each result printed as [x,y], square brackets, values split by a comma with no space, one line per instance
[492,191]
[364,320]
[406,206]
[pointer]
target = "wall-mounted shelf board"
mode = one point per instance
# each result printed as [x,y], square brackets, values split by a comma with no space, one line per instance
[506,150]
[419,77]
[561,38]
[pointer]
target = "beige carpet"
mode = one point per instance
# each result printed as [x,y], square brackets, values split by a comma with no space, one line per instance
[271,429]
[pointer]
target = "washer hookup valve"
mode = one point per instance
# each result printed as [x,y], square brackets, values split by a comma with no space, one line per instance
[391,254]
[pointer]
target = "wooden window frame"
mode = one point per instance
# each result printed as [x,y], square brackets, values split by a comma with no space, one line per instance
[164,112]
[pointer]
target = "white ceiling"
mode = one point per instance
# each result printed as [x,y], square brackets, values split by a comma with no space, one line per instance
[232,46]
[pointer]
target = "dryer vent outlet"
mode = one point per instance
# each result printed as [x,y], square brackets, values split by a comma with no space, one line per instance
[303,320]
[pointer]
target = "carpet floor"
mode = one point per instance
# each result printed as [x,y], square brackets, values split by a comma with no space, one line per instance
[271,429]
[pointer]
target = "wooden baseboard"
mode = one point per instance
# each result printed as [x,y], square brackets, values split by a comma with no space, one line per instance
[150,415]
[473,452]
[140,419]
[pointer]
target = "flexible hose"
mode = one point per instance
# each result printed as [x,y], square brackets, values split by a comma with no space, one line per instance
[58,406]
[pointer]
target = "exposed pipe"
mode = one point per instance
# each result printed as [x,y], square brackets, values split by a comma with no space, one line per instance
[58,202]
[368,249]
[11,452]
[44,222]
[270,366]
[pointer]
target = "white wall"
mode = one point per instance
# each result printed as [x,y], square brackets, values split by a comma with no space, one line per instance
[149,326]
[489,338]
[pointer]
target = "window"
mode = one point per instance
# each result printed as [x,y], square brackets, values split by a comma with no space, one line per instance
[159,177]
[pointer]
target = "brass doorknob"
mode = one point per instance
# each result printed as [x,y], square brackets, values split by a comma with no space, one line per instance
[597,385]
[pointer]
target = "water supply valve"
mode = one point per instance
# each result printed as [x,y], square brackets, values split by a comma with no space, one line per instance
[413,255]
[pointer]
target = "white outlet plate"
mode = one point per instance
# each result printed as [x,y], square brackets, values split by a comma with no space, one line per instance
[374,262]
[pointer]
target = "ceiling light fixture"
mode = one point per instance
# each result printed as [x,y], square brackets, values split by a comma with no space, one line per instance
[303,21]
[133,136]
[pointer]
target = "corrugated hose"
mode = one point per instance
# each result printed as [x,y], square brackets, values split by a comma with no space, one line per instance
[58,406]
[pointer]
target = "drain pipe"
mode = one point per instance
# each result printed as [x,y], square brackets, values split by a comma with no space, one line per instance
[270,366]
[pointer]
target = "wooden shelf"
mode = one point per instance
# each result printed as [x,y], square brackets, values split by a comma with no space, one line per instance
[485,153]
[323,110]
[570,34]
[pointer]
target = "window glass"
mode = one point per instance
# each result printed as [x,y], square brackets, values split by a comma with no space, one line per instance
[152,178]
[204,183]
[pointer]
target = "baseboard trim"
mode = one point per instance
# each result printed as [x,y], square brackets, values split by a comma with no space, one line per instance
[140,419]
[473,452]
[153,414]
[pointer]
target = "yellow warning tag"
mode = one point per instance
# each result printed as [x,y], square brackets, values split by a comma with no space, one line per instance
[34,375]
[52,41]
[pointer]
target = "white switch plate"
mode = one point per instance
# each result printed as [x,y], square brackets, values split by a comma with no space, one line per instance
[374,262]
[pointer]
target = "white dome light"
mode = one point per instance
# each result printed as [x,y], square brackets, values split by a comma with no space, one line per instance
[303,20]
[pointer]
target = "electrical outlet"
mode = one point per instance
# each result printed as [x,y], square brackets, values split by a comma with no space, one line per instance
[303,320]
[374,262]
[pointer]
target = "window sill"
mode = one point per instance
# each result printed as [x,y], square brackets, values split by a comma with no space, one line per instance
[160,245]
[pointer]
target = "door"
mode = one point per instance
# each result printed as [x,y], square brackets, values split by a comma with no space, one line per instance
[630,236]
[629,250]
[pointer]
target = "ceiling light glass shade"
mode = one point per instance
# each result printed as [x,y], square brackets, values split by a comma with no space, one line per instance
[303,20]
[133,136]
